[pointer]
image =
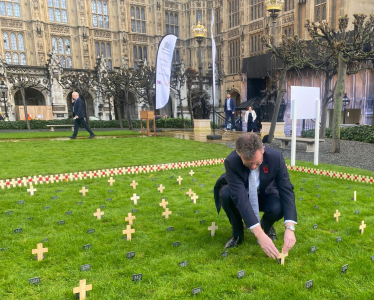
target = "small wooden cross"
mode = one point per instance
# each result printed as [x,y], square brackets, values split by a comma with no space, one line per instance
[2,184]
[213,229]
[80,175]
[190,193]
[24,181]
[13,182]
[282,257]
[194,198]
[135,198]
[362,227]
[161,188]
[132,170]
[31,190]
[98,214]
[82,289]
[354,196]
[111,181]
[337,215]
[147,168]
[164,203]
[191,172]
[39,251]
[134,184]
[130,218]
[179,180]
[83,191]
[166,213]
[128,232]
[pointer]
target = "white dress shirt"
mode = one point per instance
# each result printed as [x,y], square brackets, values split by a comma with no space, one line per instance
[228,107]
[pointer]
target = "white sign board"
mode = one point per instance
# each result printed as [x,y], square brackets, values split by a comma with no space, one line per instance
[306,98]
[305,104]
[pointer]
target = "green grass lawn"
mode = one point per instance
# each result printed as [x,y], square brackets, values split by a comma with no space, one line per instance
[61,134]
[157,259]
[52,157]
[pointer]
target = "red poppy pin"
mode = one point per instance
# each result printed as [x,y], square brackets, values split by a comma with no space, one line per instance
[266,169]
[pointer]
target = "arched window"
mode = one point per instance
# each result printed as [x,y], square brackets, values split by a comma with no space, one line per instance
[178,57]
[21,44]
[138,13]
[61,46]
[13,41]
[54,45]
[93,5]
[145,54]
[23,59]
[2,9]
[94,20]
[97,49]
[138,19]
[199,16]
[255,43]
[67,46]
[100,17]
[252,44]
[105,6]
[15,59]
[6,41]
[143,14]
[99,8]
[63,62]
[132,12]
[68,62]
[324,13]
[10,8]
[290,32]
[110,66]
[108,50]
[8,58]
[140,53]
[167,23]
[103,49]
[57,11]
[135,53]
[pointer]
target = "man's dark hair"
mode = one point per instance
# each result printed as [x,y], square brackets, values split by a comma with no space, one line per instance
[247,144]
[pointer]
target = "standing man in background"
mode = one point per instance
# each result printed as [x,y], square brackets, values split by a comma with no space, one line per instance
[229,111]
[79,114]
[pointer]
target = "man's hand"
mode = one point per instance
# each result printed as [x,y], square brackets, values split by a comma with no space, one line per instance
[289,240]
[76,117]
[233,113]
[266,243]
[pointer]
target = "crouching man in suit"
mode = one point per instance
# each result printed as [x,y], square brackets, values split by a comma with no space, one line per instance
[257,179]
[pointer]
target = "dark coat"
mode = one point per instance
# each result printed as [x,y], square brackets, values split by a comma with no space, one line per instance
[232,105]
[79,108]
[274,178]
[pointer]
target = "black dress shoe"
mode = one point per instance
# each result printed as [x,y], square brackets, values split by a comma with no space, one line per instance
[72,137]
[234,241]
[92,136]
[272,234]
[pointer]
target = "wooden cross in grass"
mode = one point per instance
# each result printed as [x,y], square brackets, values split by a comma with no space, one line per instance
[190,193]
[83,191]
[111,181]
[191,172]
[130,218]
[166,213]
[98,214]
[31,190]
[128,232]
[134,184]
[161,188]
[194,198]
[164,203]
[354,196]
[135,198]
[82,289]
[179,180]
[337,215]
[282,257]
[213,229]
[362,227]
[39,251]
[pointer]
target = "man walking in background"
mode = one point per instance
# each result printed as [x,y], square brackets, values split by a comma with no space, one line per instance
[79,114]
[229,111]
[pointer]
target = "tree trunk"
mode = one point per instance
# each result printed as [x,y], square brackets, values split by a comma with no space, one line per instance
[25,107]
[274,119]
[119,114]
[339,92]
[86,112]
[128,109]
[325,103]
[179,94]
[190,107]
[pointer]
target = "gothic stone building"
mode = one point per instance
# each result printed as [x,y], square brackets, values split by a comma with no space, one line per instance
[128,31]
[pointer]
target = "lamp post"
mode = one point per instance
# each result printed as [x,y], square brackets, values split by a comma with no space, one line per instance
[4,89]
[199,33]
[346,102]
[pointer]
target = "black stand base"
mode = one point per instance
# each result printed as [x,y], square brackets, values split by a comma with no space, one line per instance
[214,137]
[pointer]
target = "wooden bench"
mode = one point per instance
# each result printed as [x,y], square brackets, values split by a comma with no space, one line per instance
[59,126]
[310,146]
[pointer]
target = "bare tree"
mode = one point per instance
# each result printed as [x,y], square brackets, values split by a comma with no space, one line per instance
[145,84]
[22,82]
[350,50]
[292,52]
[190,75]
[81,82]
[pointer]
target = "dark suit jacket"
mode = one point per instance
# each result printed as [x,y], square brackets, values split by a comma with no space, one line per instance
[79,108]
[276,180]
[232,105]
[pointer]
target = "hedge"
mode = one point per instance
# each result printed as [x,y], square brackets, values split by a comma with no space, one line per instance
[361,133]
[42,124]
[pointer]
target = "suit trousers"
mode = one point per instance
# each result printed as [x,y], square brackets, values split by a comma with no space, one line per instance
[77,123]
[269,204]
[229,114]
